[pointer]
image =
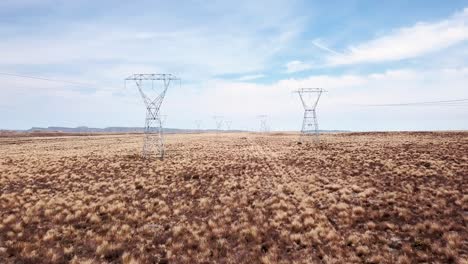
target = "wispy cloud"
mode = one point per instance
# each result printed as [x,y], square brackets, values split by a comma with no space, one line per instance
[251,77]
[407,42]
[297,66]
[339,106]
[196,46]
[242,101]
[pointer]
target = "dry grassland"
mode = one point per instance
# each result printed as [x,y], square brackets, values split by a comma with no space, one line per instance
[235,198]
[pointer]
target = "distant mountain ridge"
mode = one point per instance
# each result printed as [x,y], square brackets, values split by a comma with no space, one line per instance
[85,129]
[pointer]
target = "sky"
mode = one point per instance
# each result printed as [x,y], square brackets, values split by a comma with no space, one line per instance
[236,59]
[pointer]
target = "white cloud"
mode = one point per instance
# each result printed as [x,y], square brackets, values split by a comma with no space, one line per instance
[71,44]
[241,102]
[408,42]
[297,66]
[340,107]
[200,49]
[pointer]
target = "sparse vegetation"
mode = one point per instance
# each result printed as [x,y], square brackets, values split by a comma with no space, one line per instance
[236,198]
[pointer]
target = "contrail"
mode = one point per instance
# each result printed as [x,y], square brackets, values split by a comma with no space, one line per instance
[323,47]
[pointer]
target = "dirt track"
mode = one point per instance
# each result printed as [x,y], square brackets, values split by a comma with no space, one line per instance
[237,198]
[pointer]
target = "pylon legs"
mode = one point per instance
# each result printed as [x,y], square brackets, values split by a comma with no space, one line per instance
[154,139]
[310,129]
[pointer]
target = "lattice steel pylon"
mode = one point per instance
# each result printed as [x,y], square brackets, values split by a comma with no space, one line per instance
[154,139]
[198,124]
[219,123]
[263,123]
[228,124]
[310,98]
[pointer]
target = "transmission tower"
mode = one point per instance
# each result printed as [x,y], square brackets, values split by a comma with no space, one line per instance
[154,141]
[219,122]
[198,124]
[263,123]
[310,98]
[228,124]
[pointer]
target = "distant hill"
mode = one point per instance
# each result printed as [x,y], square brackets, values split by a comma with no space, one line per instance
[85,129]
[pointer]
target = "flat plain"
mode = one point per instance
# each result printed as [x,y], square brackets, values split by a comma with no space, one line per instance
[235,198]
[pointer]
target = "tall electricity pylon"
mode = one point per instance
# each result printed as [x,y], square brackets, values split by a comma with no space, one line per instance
[154,141]
[263,123]
[310,98]
[219,123]
[228,124]
[198,124]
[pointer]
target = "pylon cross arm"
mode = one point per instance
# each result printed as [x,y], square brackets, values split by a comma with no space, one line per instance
[152,77]
[309,104]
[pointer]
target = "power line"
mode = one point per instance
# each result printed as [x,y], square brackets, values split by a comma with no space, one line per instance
[44,79]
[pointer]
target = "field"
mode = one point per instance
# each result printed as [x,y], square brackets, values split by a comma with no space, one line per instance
[235,198]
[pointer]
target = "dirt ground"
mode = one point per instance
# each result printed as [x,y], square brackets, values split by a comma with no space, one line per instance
[235,198]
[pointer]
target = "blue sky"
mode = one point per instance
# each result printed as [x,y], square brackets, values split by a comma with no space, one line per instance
[237,59]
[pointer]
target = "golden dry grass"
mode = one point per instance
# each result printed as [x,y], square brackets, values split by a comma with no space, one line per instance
[235,198]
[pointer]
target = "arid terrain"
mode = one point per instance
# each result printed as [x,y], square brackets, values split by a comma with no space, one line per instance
[235,198]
